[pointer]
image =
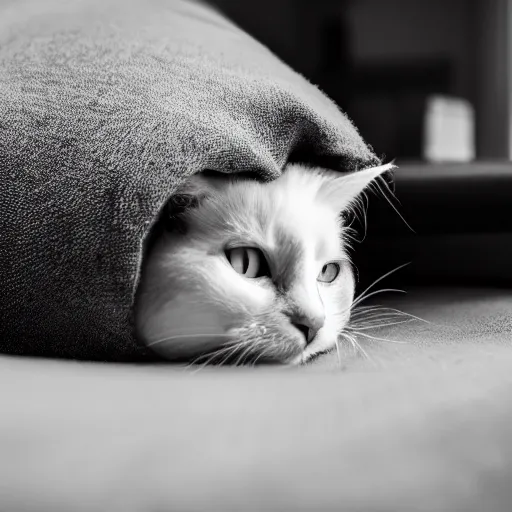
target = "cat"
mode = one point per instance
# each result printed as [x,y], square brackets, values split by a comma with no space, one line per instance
[249,271]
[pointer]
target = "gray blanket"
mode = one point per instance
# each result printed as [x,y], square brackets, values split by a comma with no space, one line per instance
[105,107]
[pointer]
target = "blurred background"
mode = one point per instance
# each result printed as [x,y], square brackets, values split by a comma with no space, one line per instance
[382,60]
[427,82]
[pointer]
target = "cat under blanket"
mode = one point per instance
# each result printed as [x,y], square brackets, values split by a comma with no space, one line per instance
[244,271]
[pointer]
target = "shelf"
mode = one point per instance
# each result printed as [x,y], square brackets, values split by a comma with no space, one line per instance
[408,170]
[461,215]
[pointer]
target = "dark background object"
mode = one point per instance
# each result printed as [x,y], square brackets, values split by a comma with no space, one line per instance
[462,222]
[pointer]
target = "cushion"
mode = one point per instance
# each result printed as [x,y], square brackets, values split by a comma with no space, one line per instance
[422,426]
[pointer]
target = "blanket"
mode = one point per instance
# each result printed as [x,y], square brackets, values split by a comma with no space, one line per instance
[105,107]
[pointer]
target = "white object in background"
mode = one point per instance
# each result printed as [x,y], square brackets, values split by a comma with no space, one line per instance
[449,130]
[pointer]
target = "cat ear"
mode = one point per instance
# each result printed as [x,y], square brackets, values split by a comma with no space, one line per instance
[341,191]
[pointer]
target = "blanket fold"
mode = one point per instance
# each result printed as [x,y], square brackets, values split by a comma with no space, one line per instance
[105,107]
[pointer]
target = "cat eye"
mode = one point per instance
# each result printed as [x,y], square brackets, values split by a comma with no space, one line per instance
[247,261]
[329,273]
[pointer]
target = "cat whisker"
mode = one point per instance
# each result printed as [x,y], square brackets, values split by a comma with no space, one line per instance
[415,317]
[368,309]
[377,185]
[363,309]
[377,312]
[211,356]
[366,327]
[347,337]
[179,336]
[229,355]
[357,346]
[379,339]
[356,310]
[377,317]
[376,292]
[344,335]
[393,312]
[264,352]
[409,315]
[378,280]
[376,323]
[374,316]
[245,353]
[237,346]
[270,347]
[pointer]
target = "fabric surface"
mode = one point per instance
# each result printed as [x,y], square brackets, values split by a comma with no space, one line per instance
[451,322]
[424,426]
[105,107]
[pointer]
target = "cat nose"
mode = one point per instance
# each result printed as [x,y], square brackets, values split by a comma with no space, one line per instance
[309,326]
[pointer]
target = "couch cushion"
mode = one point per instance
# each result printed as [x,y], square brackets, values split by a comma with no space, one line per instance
[427,429]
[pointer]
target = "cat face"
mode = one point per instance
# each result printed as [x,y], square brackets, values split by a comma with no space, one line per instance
[252,271]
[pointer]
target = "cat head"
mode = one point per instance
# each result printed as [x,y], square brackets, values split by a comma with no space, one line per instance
[249,270]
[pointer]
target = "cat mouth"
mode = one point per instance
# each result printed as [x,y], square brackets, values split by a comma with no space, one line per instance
[254,344]
[266,343]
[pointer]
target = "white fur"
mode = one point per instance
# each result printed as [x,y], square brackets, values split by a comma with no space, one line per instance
[191,302]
